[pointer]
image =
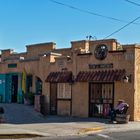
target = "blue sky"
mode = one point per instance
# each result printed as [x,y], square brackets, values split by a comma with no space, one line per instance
[24,22]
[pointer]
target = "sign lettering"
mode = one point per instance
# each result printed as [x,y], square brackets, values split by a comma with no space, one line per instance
[98,66]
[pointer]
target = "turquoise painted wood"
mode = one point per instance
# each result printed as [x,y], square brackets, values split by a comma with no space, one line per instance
[2,88]
[20,94]
[8,88]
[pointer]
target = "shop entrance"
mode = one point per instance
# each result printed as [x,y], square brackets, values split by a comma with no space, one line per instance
[38,86]
[14,92]
[101,98]
[13,88]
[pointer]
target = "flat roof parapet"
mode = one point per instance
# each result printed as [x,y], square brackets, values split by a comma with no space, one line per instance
[41,44]
[50,53]
[7,50]
[36,49]
[100,40]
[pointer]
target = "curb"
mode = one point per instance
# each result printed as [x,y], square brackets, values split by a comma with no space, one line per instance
[90,130]
[24,132]
[19,136]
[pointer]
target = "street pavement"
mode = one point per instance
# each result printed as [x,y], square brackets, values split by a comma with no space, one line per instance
[128,135]
[23,119]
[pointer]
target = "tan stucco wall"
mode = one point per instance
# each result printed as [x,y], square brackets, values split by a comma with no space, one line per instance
[125,91]
[130,92]
[46,92]
[80,99]
[137,85]
[35,49]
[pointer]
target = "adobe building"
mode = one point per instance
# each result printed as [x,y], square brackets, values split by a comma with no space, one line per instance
[85,80]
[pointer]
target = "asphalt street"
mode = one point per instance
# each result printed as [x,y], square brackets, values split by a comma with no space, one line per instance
[128,135]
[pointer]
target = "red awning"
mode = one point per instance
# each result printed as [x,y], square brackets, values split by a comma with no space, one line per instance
[100,76]
[60,77]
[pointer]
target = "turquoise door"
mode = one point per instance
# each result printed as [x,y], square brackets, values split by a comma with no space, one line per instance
[20,94]
[13,88]
[2,87]
[8,88]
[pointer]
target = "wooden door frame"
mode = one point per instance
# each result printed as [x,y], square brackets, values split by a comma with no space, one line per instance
[60,99]
[50,98]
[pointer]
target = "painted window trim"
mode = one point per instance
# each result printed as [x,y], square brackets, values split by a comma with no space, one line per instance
[12,65]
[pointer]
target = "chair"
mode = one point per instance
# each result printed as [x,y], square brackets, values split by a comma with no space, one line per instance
[122,116]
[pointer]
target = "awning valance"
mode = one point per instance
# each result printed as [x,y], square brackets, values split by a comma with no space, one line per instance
[100,76]
[60,77]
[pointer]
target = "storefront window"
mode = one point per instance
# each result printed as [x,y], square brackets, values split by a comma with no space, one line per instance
[12,65]
[63,91]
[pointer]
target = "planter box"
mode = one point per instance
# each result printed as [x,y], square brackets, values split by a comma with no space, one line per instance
[37,105]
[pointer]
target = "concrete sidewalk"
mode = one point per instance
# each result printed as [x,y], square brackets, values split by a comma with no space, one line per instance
[53,129]
[55,126]
[22,119]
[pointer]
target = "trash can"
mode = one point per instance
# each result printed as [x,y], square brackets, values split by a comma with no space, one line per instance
[37,103]
[43,105]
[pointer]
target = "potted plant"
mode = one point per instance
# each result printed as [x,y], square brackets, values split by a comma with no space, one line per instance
[31,96]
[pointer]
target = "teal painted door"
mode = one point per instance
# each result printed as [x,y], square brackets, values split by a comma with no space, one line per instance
[20,94]
[8,88]
[2,88]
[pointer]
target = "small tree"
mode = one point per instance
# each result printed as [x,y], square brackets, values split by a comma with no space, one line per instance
[31,97]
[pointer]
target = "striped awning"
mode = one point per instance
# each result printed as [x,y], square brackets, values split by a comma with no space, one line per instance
[60,77]
[100,76]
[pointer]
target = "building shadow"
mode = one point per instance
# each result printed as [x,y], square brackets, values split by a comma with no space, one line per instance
[56,119]
[23,114]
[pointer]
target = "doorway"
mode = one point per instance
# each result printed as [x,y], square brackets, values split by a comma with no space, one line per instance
[14,89]
[38,86]
[101,99]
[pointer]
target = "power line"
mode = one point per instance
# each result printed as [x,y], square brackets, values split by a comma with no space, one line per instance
[122,27]
[91,13]
[132,2]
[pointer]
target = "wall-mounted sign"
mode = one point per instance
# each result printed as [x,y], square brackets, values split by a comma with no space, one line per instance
[98,66]
[101,51]
[61,63]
